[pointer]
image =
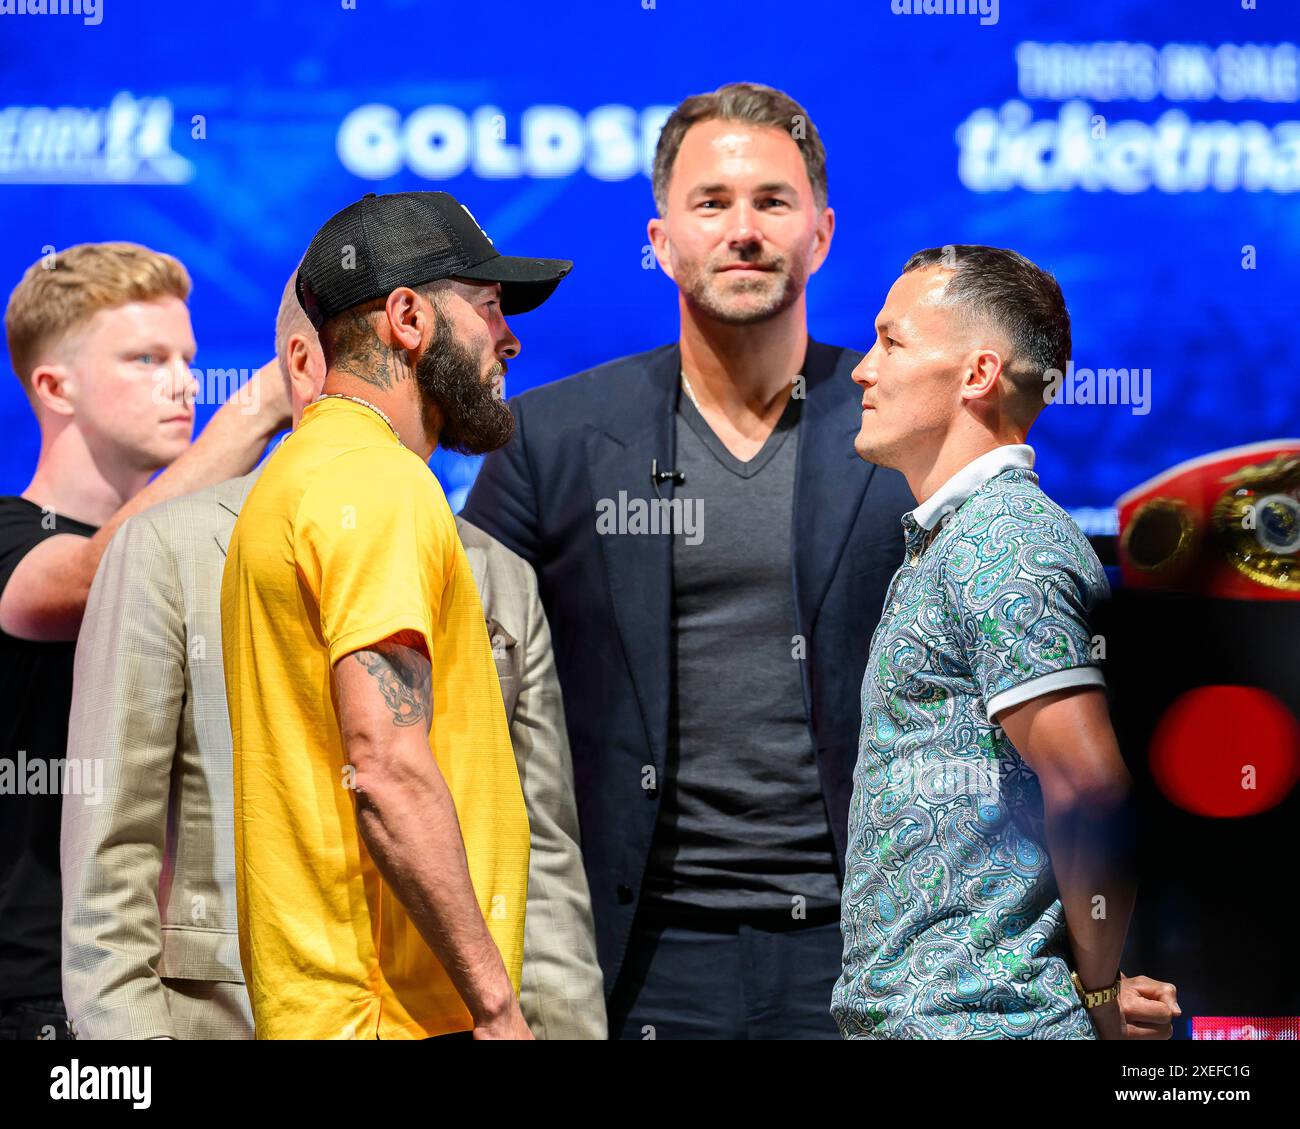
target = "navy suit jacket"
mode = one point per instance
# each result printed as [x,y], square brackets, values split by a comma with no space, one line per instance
[609,597]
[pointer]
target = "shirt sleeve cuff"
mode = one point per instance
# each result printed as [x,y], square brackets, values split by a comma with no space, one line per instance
[1043,684]
[359,639]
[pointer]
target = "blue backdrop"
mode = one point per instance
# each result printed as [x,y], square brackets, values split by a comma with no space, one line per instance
[1148,154]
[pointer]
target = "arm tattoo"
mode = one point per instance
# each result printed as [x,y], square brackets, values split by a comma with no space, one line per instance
[401,668]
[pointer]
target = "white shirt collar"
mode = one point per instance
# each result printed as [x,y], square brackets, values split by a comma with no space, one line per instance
[970,478]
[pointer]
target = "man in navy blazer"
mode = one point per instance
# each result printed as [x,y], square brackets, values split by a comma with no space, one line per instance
[713,557]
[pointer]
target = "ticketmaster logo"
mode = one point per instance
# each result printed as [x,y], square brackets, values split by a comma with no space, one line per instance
[87,9]
[1078,149]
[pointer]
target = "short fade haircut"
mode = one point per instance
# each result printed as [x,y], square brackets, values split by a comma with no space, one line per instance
[57,297]
[291,318]
[1003,289]
[748,102]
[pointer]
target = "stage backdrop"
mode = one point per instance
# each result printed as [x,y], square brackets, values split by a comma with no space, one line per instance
[1148,154]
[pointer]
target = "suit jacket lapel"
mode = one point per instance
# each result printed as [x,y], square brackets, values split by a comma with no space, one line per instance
[230,500]
[830,479]
[640,566]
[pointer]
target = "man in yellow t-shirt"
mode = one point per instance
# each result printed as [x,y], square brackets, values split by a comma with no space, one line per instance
[381,840]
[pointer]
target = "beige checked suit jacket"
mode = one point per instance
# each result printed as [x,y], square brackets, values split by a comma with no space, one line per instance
[150,944]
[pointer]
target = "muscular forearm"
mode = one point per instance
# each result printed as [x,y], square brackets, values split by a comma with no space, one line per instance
[1067,739]
[1088,839]
[408,821]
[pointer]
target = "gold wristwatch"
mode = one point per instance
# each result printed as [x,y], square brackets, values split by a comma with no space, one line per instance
[1099,997]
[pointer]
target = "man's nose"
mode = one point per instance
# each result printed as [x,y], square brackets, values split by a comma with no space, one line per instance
[184,384]
[864,372]
[507,344]
[744,225]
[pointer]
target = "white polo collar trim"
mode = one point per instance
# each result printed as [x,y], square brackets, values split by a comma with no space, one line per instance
[970,478]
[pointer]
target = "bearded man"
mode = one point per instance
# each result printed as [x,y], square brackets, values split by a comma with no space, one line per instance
[381,840]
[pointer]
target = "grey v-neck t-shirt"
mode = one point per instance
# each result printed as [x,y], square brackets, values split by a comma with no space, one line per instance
[742,824]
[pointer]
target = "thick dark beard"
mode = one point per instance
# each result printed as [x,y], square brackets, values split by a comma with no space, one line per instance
[470,417]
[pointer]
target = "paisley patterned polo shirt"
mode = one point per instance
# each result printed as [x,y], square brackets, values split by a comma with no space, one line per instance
[952,924]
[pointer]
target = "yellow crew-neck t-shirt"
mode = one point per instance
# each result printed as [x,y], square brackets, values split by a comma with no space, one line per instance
[346,539]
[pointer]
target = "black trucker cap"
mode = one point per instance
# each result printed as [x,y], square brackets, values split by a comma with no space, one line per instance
[379,243]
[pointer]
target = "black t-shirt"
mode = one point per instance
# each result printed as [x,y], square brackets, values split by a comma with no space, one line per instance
[36,683]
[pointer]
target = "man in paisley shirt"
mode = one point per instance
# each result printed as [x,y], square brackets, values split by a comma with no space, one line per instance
[988,882]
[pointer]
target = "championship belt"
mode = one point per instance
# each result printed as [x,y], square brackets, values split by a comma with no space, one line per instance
[1225,525]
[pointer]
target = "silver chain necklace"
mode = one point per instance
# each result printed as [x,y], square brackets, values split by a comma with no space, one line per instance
[686,384]
[365,403]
